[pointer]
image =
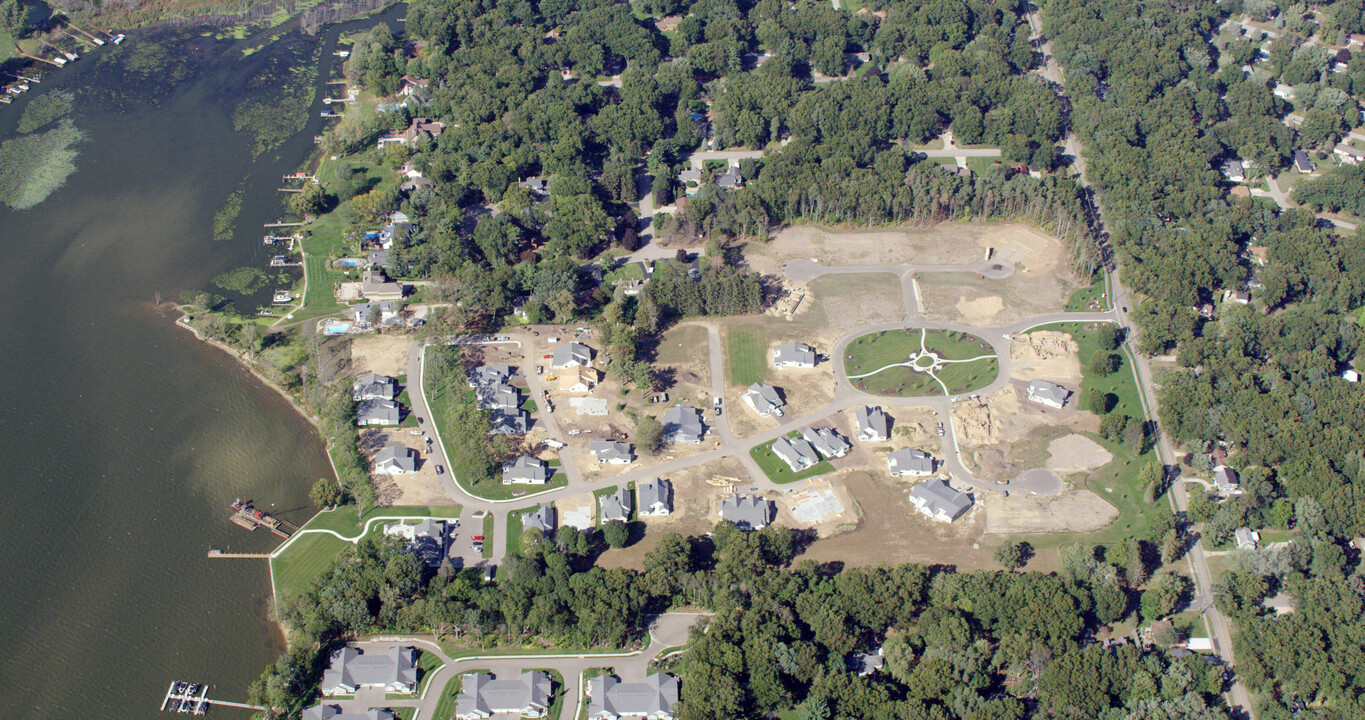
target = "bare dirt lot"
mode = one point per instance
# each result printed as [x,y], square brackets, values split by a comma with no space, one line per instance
[1004,435]
[420,488]
[948,243]
[1074,453]
[821,504]
[1045,354]
[1072,511]
[383,354]
[1040,283]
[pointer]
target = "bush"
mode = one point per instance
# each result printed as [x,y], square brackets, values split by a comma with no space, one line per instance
[649,436]
[616,533]
[1113,425]
[1104,362]
[1098,402]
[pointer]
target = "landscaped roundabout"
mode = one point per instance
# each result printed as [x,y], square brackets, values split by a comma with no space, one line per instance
[919,362]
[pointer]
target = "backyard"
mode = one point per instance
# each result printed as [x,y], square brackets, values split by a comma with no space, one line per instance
[745,356]
[776,468]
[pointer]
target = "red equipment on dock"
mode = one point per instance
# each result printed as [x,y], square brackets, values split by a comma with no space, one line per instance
[246,516]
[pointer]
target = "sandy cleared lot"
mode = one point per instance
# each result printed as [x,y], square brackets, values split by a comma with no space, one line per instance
[1004,435]
[824,500]
[383,354]
[1075,453]
[1046,354]
[947,243]
[420,488]
[1072,511]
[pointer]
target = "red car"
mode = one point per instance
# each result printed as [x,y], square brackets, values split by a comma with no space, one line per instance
[547,357]
[478,538]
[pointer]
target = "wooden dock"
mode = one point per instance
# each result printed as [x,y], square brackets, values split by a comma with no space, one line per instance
[215,553]
[271,225]
[248,517]
[184,697]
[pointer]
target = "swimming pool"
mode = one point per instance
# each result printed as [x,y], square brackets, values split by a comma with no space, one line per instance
[336,328]
[348,263]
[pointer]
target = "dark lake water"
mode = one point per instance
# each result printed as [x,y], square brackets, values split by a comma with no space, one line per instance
[125,439]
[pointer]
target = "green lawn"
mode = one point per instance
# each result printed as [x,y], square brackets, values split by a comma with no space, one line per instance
[776,469]
[954,345]
[746,356]
[514,530]
[404,713]
[1085,299]
[347,520]
[877,350]
[305,560]
[880,349]
[445,707]
[488,523]
[1120,382]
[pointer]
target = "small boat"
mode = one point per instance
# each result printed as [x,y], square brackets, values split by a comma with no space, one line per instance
[118,39]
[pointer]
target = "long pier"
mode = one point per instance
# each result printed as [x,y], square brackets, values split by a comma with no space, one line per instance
[282,224]
[216,553]
[184,697]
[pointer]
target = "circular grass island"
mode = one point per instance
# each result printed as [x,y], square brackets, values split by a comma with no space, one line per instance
[920,362]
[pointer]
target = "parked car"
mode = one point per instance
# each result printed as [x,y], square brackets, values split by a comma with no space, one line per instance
[440,470]
[477,538]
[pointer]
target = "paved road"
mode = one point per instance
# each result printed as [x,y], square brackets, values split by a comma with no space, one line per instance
[1281,198]
[698,159]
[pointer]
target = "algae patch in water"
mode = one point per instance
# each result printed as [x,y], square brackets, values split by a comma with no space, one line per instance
[225,220]
[46,109]
[279,97]
[243,280]
[33,166]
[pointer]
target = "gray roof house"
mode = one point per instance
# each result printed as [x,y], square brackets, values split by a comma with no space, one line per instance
[490,375]
[395,459]
[508,422]
[688,175]
[610,451]
[616,506]
[794,354]
[377,258]
[388,313]
[826,441]
[1226,480]
[374,387]
[394,231]
[909,461]
[864,664]
[747,512]
[426,539]
[378,412]
[375,285]
[352,669]
[526,470]
[938,501]
[1302,163]
[656,497]
[764,399]
[873,424]
[542,519]
[796,452]
[481,696]
[730,179]
[611,699]
[535,184]
[682,424]
[1247,539]
[497,397]
[570,354]
[1049,394]
[333,712]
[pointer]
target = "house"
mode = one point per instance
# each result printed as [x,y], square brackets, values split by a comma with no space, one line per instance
[497,397]
[570,354]
[542,519]
[352,669]
[611,452]
[407,187]
[794,354]
[864,664]
[579,379]
[422,127]
[1226,480]
[408,85]
[764,400]
[1247,539]
[668,24]
[682,424]
[526,470]
[374,387]
[827,442]
[1047,393]
[483,375]
[611,699]
[1283,91]
[1234,171]
[747,512]
[394,232]
[1240,297]
[656,497]
[395,459]
[730,179]
[873,424]
[616,505]
[1350,375]
[333,712]
[378,412]
[938,501]
[796,452]
[689,175]
[1349,154]
[377,258]
[375,285]
[536,184]
[385,313]
[910,461]
[426,539]
[481,696]
[1302,163]
[508,422]
[589,405]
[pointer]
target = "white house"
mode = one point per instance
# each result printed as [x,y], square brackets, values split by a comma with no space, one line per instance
[656,497]
[873,424]
[395,459]
[611,699]
[1226,480]
[764,400]
[1049,394]
[938,501]
[481,696]
[910,461]
[794,354]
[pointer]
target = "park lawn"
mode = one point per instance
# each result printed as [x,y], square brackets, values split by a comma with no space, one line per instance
[954,345]
[777,470]
[969,376]
[879,349]
[901,381]
[745,356]
[304,560]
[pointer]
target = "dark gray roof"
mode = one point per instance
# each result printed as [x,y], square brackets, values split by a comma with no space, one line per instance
[910,461]
[395,455]
[497,397]
[378,258]
[508,422]
[793,353]
[935,499]
[1047,392]
[333,712]
[617,505]
[489,375]
[747,511]
[864,663]
[763,398]
[826,441]
[609,450]
[873,424]
[351,668]
[611,698]
[570,354]
[683,424]
[481,695]
[1303,163]
[372,386]
[526,469]
[796,452]
[542,519]
[378,412]
[429,541]
[1225,477]
[655,497]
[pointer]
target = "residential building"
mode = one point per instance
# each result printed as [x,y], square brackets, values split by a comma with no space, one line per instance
[395,459]
[374,387]
[616,505]
[589,405]
[377,258]
[1226,480]
[689,175]
[864,664]
[764,399]
[397,231]
[333,712]
[426,539]
[490,375]
[827,442]
[1302,163]
[682,424]
[497,397]
[526,470]
[407,187]
[375,313]
[796,452]
[409,85]
[1349,154]
[1047,393]
[611,699]
[730,179]
[579,379]
[536,184]
[482,696]
[873,424]
[611,452]
[378,412]
[1234,170]
[508,422]
[542,519]
[794,354]
[656,497]
[352,669]
[1283,91]
[420,128]
[375,285]
[938,501]
[1350,375]
[1247,539]
[747,512]
[910,461]
[570,354]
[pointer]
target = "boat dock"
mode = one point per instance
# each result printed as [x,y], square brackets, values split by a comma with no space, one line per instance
[216,553]
[249,518]
[186,697]
[284,224]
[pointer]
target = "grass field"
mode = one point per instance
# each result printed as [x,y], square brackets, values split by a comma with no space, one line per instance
[514,530]
[954,345]
[324,240]
[1085,298]
[776,469]
[880,349]
[347,519]
[746,356]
